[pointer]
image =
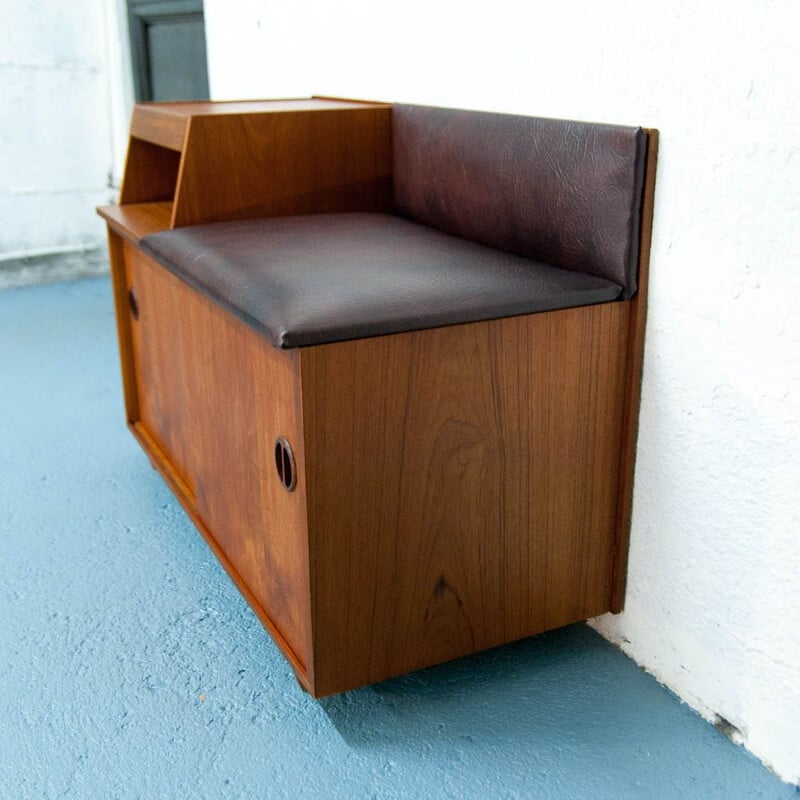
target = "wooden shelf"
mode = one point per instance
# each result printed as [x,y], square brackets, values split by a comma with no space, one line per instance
[165,124]
[135,221]
[197,162]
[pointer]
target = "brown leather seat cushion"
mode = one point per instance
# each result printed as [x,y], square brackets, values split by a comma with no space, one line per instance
[311,280]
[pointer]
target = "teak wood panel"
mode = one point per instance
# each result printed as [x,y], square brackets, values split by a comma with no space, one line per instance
[214,396]
[157,125]
[116,251]
[151,173]
[138,220]
[196,108]
[239,167]
[165,124]
[633,379]
[462,487]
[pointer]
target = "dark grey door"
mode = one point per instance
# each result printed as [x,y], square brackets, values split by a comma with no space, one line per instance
[168,49]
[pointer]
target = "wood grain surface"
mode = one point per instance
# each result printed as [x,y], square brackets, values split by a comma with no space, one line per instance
[119,283]
[213,397]
[151,173]
[140,219]
[633,382]
[196,108]
[294,162]
[165,124]
[158,125]
[462,487]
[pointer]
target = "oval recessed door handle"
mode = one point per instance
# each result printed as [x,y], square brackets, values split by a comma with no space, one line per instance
[133,303]
[284,463]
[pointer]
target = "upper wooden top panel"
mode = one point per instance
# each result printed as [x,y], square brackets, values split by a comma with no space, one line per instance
[165,123]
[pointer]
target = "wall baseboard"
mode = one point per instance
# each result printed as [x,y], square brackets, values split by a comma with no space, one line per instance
[53,267]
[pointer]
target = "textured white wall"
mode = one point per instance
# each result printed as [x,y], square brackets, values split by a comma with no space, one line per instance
[63,108]
[713,605]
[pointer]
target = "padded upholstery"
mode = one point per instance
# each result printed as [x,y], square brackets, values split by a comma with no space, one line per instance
[567,193]
[310,280]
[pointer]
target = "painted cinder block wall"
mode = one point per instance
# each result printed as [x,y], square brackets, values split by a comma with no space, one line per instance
[713,608]
[64,103]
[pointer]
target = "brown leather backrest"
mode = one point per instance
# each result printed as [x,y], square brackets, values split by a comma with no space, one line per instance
[568,193]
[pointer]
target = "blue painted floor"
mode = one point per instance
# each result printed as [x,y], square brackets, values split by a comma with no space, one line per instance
[130,667]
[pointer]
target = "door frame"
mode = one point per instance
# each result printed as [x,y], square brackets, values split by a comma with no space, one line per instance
[142,14]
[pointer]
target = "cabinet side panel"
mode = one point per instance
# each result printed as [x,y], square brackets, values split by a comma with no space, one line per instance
[214,397]
[462,487]
[633,389]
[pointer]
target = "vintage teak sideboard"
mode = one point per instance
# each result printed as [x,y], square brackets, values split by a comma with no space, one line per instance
[388,358]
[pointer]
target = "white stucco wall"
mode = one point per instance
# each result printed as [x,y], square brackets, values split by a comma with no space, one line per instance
[713,603]
[64,101]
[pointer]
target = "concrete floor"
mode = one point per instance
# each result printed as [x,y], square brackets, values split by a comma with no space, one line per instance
[130,667]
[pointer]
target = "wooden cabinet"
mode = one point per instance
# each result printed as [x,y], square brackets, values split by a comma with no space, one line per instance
[448,490]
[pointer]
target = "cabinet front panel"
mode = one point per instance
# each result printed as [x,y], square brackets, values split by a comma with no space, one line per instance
[215,398]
